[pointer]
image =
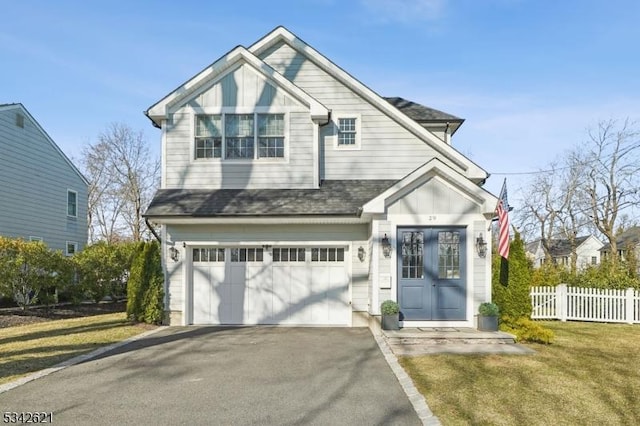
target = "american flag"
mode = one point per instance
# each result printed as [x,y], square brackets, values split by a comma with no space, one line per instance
[503,222]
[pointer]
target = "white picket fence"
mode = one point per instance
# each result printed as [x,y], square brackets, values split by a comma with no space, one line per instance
[585,304]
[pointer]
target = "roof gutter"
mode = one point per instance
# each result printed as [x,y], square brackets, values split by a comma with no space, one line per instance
[146,113]
[153,231]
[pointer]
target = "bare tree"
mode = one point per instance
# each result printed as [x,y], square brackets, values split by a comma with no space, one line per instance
[544,206]
[613,178]
[123,177]
[587,191]
[573,217]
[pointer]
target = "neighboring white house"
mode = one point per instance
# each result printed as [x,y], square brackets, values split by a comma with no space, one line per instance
[293,194]
[44,196]
[587,252]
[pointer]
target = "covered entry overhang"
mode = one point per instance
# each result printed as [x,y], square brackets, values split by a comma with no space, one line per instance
[431,221]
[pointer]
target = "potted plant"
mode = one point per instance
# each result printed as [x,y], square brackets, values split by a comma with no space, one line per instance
[390,315]
[488,314]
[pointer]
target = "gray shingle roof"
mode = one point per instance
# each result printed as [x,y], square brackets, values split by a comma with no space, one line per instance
[333,198]
[629,238]
[563,247]
[420,113]
[557,247]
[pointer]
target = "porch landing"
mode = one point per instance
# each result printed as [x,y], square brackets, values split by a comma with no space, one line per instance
[452,340]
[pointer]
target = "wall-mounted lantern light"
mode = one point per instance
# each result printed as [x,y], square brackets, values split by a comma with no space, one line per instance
[174,254]
[386,246]
[481,246]
[361,254]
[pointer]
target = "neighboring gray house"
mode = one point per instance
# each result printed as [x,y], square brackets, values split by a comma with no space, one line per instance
[627,240]
[44,196]
[293,194]
[587,251]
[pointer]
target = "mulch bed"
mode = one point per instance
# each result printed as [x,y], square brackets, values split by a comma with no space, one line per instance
[10,317]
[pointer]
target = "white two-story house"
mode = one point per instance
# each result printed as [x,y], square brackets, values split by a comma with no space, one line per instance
[294,194]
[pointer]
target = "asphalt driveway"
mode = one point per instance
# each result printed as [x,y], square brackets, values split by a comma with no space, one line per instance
[209,375]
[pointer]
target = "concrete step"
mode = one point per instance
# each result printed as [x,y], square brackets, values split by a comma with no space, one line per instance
[461,348]
[439,338]
[425,341]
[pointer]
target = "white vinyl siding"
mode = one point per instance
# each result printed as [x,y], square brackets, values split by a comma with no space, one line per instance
[294,171]
[34,179]
[387,149]
[360,277]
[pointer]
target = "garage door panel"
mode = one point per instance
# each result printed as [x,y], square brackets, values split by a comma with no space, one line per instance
[217,276]
[201,295]
[300,292]
[338,294]
[298,287]
[281,292]
[259,297]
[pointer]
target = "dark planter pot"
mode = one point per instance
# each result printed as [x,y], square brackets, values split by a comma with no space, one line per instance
[487,323]
[391,322]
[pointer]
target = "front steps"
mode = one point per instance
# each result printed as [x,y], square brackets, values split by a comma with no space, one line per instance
[423,341]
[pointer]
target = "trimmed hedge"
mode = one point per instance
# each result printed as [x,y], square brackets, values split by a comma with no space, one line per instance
[145,291]
[514,300]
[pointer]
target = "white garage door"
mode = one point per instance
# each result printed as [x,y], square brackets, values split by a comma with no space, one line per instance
[285,285]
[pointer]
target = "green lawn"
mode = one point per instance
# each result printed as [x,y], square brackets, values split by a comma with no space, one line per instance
[28,348]
[589,375]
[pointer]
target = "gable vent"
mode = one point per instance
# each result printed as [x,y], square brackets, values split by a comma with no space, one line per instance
[20,120]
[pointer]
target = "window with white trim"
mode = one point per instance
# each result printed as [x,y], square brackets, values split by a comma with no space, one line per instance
[72,203]
[239,136]
[347,131]
[72,248]
[208,136]
[270,135]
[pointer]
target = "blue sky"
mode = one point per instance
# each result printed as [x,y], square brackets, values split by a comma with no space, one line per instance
[529,76]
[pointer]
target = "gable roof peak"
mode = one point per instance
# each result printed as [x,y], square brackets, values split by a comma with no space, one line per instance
[160,110]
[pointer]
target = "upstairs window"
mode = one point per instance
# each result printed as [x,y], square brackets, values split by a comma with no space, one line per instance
[72,203]
[271,135]
[208,136]
[347,131]
[240,136]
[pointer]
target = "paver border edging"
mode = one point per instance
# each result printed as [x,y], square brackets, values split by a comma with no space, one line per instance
[415,397]
[75,360]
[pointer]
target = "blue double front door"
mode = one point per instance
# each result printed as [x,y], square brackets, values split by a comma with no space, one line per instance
[432,281]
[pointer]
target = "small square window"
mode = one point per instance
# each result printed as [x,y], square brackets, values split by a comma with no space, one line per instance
[347,131]
[72,248]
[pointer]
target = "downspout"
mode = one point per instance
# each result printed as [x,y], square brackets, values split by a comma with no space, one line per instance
[320,126]
[153,231]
